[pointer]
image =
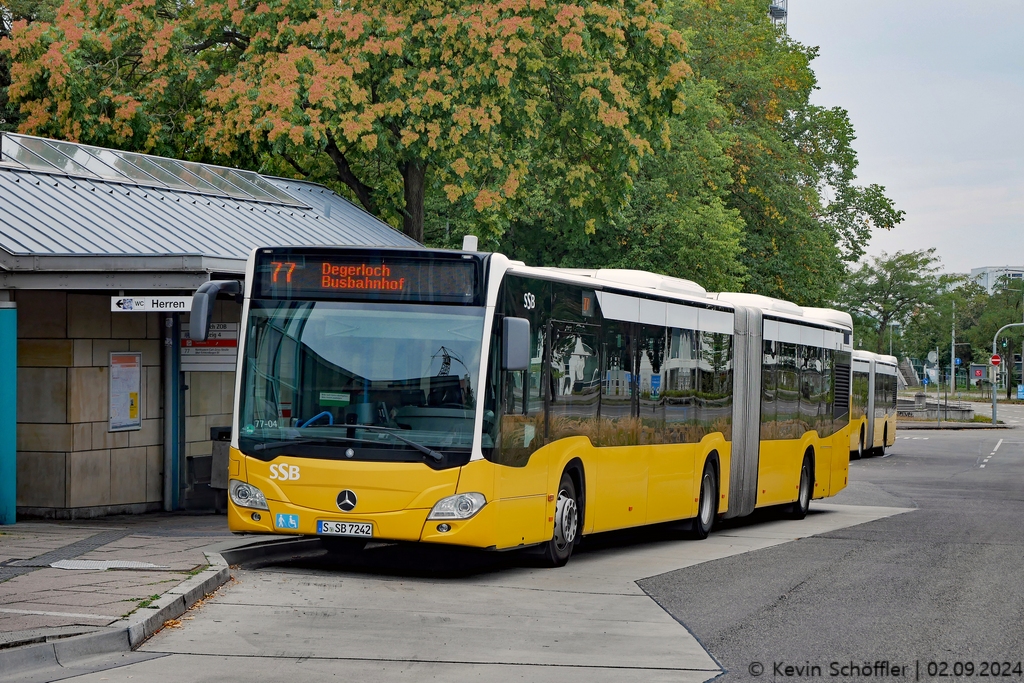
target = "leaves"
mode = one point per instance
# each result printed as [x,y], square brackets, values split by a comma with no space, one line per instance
[481,93]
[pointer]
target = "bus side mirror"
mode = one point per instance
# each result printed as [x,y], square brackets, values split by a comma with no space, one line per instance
[515,347]
[202,306]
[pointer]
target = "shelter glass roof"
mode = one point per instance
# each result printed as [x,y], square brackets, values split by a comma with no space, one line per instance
[129,168]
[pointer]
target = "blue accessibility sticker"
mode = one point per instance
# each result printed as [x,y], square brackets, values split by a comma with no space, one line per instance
[283,521]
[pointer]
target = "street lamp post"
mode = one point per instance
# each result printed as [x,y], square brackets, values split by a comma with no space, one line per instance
[995,395]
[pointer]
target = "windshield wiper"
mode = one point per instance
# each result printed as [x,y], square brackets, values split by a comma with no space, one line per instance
[390,431]
[271,445]
[284,443]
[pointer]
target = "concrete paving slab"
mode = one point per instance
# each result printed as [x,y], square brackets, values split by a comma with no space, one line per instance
[588,620]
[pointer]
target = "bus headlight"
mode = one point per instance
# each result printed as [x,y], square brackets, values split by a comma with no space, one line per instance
[246,495]
[460,506]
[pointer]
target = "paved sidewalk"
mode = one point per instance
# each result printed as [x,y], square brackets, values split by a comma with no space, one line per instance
[149,555]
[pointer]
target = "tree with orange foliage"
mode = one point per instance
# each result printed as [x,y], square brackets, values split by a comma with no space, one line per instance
[481,96]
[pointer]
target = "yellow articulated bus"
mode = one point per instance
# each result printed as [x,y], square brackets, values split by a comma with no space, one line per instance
[461,398]
[873,405]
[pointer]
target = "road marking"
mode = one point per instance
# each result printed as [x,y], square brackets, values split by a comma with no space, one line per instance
[997,446]
[982,465]
[73,615]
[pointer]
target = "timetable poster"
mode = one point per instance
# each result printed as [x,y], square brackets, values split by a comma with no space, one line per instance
[125,387]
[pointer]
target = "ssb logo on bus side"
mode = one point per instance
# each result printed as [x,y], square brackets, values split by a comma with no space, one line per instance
[284,472]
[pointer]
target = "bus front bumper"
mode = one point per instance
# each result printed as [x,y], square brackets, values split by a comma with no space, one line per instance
[401,525]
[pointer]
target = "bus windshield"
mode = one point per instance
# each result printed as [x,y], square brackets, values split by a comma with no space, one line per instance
[363,381]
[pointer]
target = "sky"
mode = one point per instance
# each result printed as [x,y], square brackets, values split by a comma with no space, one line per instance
[935,92]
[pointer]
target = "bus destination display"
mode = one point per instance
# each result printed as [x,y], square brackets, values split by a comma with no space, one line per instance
[366,277]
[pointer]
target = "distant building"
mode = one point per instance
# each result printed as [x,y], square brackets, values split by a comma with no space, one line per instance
[988,276]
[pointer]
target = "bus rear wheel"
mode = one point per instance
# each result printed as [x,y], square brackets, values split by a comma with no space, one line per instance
[707,507]
[860,445]
[799,508]
[567,524]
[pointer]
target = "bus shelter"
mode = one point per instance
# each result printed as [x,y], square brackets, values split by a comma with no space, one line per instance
[100,251]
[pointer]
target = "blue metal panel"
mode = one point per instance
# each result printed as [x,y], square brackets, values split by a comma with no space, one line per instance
[8,411]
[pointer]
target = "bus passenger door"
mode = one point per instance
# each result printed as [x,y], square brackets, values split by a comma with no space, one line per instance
[620,497]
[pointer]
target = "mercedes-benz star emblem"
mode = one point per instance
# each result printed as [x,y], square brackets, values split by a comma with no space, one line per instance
[347,500]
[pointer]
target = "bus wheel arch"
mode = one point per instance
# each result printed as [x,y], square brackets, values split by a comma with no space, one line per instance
[708,497]
[574,468]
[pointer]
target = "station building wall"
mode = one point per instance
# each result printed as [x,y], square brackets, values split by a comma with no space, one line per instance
[69,464]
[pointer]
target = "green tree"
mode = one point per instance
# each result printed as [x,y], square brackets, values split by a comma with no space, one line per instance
[890,289]
[1002,308]
[793,183]
[676,220]
[958,300]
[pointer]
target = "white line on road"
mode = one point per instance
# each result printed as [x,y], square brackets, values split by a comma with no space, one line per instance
[997,446]
[982,465]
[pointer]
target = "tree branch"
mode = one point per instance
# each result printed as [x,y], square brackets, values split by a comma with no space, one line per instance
[239,40]
[363,192]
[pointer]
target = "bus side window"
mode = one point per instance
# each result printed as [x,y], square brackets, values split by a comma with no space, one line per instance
[714,400]
[618,385]
[680,390]
[828,385]
[650,366]
[575,374]
[788,393]
[768,389]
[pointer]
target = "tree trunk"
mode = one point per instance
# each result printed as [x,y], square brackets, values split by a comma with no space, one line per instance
[364,193]
[415,175]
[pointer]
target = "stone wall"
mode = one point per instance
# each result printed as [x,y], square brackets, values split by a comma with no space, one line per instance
[66,456]
[69,464]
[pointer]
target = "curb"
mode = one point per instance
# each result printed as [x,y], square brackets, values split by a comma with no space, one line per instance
[128,634]
[952,426]
[124,635]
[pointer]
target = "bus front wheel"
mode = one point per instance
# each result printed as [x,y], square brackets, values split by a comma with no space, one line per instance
[567,524]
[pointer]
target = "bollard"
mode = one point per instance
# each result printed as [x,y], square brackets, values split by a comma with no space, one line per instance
[8,411]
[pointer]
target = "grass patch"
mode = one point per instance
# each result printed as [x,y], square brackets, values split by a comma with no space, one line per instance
[149,601]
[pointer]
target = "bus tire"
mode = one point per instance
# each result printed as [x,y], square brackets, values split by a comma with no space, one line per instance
[860,444]
[885,439]
[707,506]
[566,531]
[798,509]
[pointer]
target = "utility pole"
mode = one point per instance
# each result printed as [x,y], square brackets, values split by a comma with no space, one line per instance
[952,351]
[995,394]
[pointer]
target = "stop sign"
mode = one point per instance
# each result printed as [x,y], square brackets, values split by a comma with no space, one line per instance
[996,360]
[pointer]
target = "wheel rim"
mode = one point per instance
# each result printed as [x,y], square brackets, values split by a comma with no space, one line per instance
[805,487]
[565,520]
[706,501]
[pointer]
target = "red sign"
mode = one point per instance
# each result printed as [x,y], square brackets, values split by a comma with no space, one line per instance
[995,360]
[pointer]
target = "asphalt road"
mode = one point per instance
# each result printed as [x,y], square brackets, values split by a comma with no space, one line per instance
[942,583]
[861,579]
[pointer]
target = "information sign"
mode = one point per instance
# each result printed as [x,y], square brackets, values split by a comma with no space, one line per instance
[217,354]
[150,304]
[125,389]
